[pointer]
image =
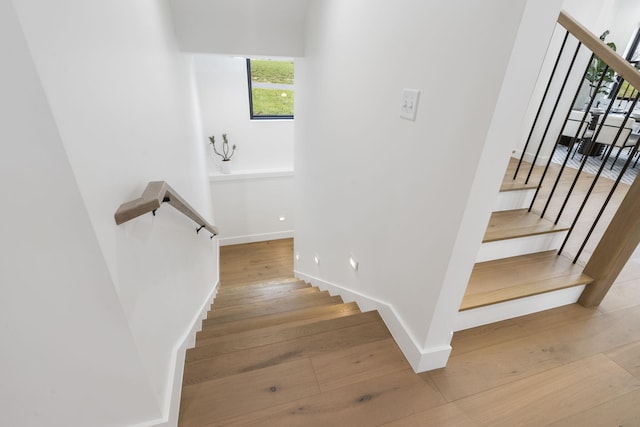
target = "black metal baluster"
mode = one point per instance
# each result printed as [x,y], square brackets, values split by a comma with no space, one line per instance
[573,140]
[613,189]
[594,137]
[595,180]
[544,97]
[553,112]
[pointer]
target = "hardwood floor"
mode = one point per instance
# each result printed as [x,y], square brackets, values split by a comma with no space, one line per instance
[564,367]
[570,366]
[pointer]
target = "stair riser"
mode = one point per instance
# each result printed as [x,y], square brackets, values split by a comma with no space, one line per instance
[260,287]
[519,307]
[517,199]
[520,246]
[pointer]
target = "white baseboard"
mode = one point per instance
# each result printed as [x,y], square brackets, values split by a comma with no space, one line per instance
[251,238]
[540,161]
[520,246]
[420,359]
[510,309]
[171,409]
[517,199]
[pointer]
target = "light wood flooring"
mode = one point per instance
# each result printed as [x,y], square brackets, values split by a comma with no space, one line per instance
[569,366]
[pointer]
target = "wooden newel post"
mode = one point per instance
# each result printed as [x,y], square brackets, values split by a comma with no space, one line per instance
[615,248]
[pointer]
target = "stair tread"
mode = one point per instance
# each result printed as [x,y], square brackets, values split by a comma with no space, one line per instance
[516,185]
[283,304]
[301,315]
[510,184]
[224,301]
[273,354]
[511,278]
[516,223]
[277,333]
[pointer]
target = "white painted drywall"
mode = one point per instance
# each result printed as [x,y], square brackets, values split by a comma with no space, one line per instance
[400,195]
[249,202]
[123,99]
[241,27]
[596,15]
[224,103]
[253,207]
[626,21]
[68,357]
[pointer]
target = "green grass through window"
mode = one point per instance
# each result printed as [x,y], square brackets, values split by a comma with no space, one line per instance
[271,102]
[272,88]
[264,71]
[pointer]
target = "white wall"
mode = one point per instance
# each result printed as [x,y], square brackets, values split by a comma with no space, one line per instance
[224,104]
[596,15]
[249,203]
[253,207]
[625,22]
[241,27]
[68,357]
[394,193]
[122,97]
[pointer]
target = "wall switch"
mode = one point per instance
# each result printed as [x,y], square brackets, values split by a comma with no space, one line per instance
[354,264]
[409,103]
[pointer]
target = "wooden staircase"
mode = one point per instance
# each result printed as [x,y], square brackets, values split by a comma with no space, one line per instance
[268,340]
[518,270]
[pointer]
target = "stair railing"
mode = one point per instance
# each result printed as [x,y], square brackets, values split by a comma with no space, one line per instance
[154,195]
[556,108]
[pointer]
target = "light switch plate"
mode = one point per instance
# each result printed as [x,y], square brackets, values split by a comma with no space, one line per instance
[409,103]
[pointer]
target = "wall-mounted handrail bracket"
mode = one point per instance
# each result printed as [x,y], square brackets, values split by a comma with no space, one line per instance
[156,193]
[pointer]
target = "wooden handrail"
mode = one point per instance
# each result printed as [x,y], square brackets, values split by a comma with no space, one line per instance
[156,193]
[600,49]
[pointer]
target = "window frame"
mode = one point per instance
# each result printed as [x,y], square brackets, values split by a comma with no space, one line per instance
[252,116]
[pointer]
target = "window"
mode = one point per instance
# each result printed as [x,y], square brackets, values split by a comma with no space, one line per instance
[270,88]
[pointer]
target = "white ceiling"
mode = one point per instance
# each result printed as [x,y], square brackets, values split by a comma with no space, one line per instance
[241,27]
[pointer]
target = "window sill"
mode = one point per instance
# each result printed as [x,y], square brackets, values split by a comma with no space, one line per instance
[248,174]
